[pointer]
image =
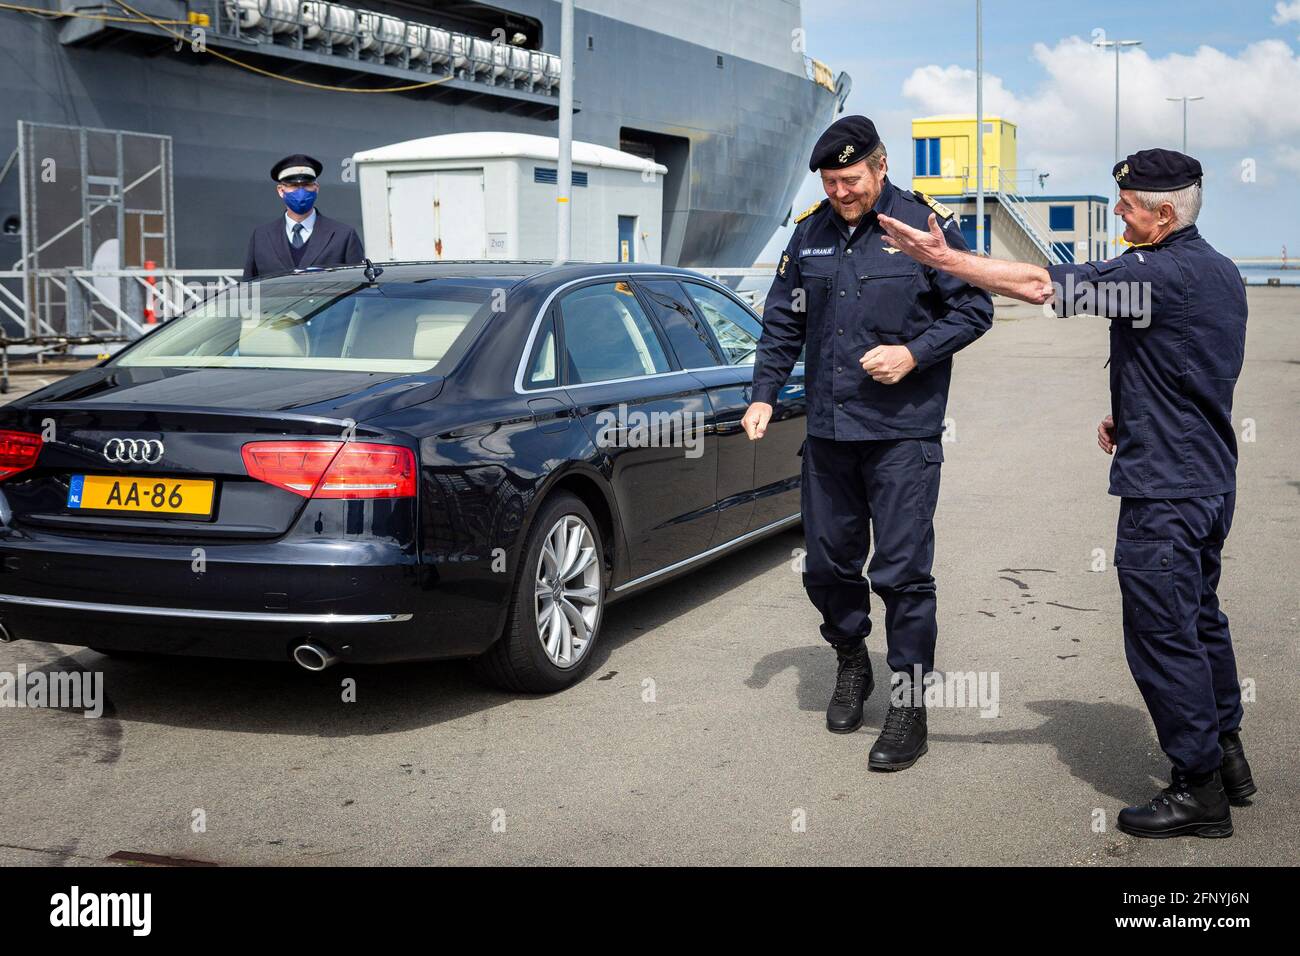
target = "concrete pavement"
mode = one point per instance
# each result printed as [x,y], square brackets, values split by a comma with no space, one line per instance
[698,736]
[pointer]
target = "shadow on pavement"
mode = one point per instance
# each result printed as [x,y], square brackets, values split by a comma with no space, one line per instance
[1108,746]
[261,697]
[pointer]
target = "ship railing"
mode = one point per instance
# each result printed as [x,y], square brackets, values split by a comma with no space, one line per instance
[339,30]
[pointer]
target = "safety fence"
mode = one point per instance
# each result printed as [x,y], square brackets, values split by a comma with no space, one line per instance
[46,306]
[108,304]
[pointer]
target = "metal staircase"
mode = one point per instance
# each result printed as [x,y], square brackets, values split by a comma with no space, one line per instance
[1027,217]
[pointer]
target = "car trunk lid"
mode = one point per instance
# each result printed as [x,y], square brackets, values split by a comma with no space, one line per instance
[113,432]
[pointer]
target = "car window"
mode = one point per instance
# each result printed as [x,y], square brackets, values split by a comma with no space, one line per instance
[608,336]
[318,325]
[736,329]
[542,372]
[686,332]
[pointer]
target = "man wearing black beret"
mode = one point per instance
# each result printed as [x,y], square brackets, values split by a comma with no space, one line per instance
[1177,340]
[880,332]
[303,237]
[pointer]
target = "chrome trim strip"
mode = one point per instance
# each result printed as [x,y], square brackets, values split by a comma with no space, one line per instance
[611,381]
[714,550]
[270,617]
[546,304]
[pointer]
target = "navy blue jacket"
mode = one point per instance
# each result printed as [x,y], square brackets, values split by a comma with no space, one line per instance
[854,296]
[332,243]
[1177,341]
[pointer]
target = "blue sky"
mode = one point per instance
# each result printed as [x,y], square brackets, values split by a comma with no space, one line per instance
[917,59]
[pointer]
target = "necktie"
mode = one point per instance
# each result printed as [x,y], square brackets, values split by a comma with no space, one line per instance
[297,241]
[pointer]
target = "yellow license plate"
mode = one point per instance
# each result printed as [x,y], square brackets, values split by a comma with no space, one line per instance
[153,495]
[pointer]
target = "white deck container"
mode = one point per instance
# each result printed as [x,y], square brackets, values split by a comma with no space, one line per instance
[492,196]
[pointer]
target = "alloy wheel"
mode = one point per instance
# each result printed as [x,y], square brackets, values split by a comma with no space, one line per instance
[567,591]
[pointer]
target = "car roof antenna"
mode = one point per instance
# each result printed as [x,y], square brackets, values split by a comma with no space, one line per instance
[373,271]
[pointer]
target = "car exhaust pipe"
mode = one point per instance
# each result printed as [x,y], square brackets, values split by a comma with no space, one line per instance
[5,636]
[313,657]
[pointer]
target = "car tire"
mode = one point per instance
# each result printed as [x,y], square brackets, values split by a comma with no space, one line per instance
[525,659]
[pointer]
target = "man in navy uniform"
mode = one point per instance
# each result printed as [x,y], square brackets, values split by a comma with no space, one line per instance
[1177,339]
[880,332]
[303,237]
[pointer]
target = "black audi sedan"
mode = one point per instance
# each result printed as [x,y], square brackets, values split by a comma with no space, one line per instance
[423,461]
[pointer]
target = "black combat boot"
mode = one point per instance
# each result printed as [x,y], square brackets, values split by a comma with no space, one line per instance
[1189,806]
[1235,771]
[853,685]
[902,741]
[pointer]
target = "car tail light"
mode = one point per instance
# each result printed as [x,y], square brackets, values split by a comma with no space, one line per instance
[367,470]
[333,469]
[18,452]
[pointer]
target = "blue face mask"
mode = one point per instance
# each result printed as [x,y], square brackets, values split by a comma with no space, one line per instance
[300,200]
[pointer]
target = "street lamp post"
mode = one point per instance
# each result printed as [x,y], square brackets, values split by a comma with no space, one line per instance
[979,128]
[1185,100]
[1105,45]
[564,170]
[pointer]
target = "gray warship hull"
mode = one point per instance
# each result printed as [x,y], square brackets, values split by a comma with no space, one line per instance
[728,106]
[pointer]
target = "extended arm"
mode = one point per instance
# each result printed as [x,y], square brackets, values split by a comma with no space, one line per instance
[1019,280]
[967,311]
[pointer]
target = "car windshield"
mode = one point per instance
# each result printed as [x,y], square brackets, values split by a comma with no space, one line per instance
[339,326]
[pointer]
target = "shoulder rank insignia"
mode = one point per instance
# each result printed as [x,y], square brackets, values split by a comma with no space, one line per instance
[809,211]
[943,211]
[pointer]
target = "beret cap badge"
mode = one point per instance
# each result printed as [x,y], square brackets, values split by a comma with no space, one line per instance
[1122,173]
[845,142]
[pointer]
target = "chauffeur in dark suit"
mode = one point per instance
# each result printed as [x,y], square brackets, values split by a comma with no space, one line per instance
[303,237]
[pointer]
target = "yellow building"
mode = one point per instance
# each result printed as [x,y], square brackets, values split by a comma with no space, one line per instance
[1019,223]
[943,150]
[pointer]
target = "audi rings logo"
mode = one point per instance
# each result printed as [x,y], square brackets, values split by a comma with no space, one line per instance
[133,451]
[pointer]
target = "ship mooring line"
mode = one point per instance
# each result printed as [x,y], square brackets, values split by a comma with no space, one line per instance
[277,76]
[45,14]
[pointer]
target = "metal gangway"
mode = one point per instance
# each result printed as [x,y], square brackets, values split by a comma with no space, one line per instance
[95,233]
[108,304]
[48,312]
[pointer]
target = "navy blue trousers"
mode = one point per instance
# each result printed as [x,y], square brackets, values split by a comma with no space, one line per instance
[857,491]
[1168,557]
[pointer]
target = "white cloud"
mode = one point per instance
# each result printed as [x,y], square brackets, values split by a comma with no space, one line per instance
[1288,158]
[1066,125]
[1287,13]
